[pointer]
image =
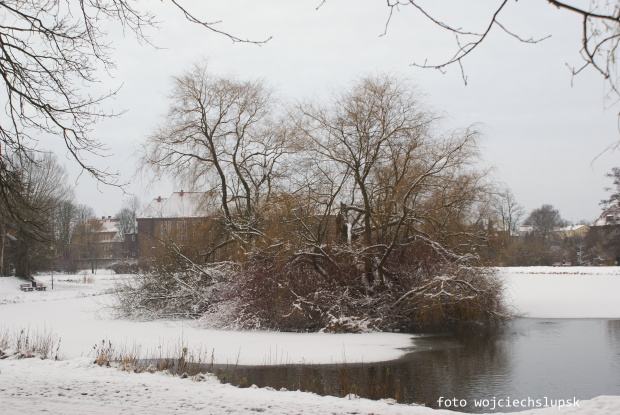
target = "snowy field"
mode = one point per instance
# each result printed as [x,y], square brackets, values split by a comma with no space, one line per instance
[564,292]
[79,313]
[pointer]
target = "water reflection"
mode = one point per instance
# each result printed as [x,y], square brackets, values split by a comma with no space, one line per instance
[527,358]
[613,332]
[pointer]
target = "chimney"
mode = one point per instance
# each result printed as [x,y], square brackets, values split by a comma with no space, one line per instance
[181,194]
[158,199]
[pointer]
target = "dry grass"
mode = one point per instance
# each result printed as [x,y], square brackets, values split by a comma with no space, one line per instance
[26,344]
[86,279]
[177,360]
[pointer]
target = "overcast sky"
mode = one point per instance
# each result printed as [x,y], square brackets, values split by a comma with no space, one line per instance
[542,133]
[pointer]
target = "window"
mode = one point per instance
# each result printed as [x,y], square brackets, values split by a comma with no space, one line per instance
[166,225]
[181,230]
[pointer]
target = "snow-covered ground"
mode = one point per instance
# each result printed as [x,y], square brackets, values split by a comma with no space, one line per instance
[77,386]
[80,315]
[564,292]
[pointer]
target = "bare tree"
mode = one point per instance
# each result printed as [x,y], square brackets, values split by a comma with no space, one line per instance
[396,180]
[544,220]
[51,54]
[127,216]
[223,134]
[600,33]
[509,212]
[350,213]
[614,197]
[64,222]
[85,231]
[43,187]
[385,215]
[9,200]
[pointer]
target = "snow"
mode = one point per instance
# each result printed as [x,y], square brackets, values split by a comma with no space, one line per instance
[63,385]
[78,386]
[109,225]
[564,292]
[66,287]
[79,313]
[610,216]
[154,209]
[181,205]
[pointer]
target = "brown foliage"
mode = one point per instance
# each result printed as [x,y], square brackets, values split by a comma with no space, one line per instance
[334,219]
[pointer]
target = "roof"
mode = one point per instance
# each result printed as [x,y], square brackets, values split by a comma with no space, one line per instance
[571,228]
[154,209]
[109,225]
[610,216]
[182,205]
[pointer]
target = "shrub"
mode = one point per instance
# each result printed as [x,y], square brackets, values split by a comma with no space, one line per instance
[176,360]
[295,296]
[169,292]
[125,267]
[26,344]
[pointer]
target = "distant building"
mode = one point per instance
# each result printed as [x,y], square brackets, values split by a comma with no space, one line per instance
[572,230]
[96,243]
[177,219]
[130,245]
[524,230]
[566,231]
[610,216]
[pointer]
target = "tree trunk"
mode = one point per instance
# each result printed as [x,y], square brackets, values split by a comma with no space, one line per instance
[22,268]
[2,251]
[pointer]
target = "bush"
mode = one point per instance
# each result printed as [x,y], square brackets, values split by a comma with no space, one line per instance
[313,293]
[527,254]
[67,265]
[296,296]
[164,292]
[125,267]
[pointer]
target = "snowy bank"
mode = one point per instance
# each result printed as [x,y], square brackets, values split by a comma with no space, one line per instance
[77,386]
